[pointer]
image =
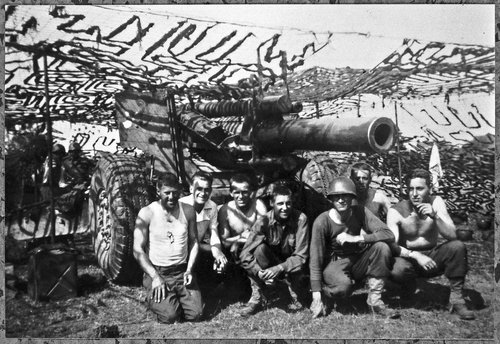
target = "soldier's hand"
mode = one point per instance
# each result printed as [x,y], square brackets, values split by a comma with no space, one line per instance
[270,273]
[424,261]
[188,277]
[344,237]
[220,261]
[160,289]
[426,209]
[317,307]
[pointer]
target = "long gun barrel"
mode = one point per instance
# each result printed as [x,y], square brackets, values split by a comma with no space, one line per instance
[326,134]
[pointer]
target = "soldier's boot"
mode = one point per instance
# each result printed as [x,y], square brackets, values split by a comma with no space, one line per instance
[457,302]
[256,302]
[294,304]
[374,300]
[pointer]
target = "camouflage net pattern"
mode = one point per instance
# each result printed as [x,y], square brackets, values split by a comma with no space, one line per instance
[467,184]
[94,52]
[91,56]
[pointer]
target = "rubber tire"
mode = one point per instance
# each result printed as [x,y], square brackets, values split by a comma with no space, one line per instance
[124,180]
[318,175]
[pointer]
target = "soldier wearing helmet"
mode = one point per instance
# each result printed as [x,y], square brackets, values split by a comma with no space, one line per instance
[341,254]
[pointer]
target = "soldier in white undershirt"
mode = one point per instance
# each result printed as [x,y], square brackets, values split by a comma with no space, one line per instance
[166,247]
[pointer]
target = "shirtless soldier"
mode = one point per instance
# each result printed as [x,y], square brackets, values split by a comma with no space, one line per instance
[375,200]
[237,219]
[417,224]
[166,246]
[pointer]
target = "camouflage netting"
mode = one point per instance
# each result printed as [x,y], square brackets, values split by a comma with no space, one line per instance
[440,90]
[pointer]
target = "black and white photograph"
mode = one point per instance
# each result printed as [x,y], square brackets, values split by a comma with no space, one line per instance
[266,171]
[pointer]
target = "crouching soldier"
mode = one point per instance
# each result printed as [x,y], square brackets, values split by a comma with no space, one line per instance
[237,220]
[340,254]
[418,224]
[279,251]
[166,246]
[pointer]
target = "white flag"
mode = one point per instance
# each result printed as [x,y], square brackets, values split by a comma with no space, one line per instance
[435,167]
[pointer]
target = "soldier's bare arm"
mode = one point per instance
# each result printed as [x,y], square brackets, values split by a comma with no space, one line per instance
[141,235]
[215,242]
[224,228]
[192,242]
[443,221]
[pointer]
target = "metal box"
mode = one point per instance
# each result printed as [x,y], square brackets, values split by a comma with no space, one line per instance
[52,272]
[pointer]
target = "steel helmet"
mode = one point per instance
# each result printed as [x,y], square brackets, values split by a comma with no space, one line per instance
[74,146]
[341,186]
[58,149]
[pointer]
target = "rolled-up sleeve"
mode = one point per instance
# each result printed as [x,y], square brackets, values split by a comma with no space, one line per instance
[301,252]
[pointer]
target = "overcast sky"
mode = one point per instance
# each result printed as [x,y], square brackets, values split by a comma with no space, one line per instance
[386,25]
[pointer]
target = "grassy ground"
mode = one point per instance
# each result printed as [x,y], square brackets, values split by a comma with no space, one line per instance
[107,310]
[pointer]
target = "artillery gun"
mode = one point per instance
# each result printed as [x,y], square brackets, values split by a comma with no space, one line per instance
[261,135]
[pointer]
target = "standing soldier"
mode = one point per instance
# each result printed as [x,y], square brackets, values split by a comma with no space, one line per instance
[75,179]
[166,246]
[341,254]
[280,250]
[58,153]
[375,200]
[417,224]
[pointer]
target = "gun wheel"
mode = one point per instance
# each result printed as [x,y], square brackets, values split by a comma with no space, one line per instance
[104,220]
[119,189]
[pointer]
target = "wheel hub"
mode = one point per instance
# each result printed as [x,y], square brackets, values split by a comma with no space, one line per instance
[104,219]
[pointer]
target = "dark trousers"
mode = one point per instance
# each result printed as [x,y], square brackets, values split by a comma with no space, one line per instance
[451,260]
[207,277]
[339,275]
[182,302]
[267,257]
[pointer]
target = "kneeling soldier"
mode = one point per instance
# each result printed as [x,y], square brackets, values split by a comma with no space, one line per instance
[166,246]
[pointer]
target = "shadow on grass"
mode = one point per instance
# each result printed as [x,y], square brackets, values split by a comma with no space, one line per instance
[88,284]
[432,296]
[429,297]
[234,287]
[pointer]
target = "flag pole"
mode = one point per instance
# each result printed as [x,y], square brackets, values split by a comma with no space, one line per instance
[398,152]
[49,139]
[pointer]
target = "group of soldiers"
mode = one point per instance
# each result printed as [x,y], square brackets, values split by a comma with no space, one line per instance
[182,243]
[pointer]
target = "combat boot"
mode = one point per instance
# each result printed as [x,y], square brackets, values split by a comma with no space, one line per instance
[256,301]
[374,300]
[462,311]
[294,304]
[457,302]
